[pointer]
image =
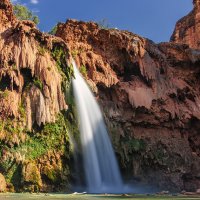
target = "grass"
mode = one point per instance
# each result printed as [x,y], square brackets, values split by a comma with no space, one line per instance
[92,197]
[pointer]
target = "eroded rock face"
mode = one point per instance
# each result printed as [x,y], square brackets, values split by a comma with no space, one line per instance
[149,94]
[28,71]
[33,77]
[150,97]
[187,30]
[6,14]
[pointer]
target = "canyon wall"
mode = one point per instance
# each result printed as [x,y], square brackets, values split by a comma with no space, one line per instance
[149,94]
[35,150]
[187,30]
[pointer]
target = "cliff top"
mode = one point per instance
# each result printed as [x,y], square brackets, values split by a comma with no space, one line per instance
[6,14]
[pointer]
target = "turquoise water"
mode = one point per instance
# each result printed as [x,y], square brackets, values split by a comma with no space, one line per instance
[90,197]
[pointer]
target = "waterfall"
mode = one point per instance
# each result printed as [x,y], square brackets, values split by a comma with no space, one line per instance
[100,165]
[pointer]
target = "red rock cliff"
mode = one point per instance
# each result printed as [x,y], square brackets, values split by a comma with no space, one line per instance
[6,14]
[31,101]
[187,30]
[150,95]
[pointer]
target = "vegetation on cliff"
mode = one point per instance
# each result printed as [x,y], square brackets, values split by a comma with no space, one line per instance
[36,109]
[23,13]
[149,94]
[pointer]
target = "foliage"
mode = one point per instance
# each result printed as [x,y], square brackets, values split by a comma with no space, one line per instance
[54,30]
[14,175]
[14,67]
[83,70]
[6,165]
[38,83]
[4,94]
[23,13]
[41,50]
[32,149]
[10,127]
[52,175]
[22,110]
[133,145]
[103,24]
[59,55]
[34,144]
[136,145]
[71,115]
[74,53]
[52,136]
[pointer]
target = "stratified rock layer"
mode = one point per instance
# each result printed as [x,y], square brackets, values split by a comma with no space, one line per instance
[151,99]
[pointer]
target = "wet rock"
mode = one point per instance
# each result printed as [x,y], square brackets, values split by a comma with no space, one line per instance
[31,177]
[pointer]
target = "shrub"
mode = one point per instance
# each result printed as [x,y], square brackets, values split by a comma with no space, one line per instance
[53,30]
[41,50]
[83,70]
[38,83]
[74,53]
[59,54]
[103,24]
[136,145]
[4,94]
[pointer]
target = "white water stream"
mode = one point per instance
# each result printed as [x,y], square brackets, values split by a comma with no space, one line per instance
[101,168]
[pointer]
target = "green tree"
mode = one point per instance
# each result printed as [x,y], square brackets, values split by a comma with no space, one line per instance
[23,13]
[53,30]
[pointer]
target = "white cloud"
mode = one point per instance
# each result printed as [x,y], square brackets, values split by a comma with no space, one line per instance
[34,1]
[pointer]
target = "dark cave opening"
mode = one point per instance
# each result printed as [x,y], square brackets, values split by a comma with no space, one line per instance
[27,75]
[5,83]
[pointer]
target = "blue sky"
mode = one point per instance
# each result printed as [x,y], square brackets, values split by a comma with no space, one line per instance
[154,19]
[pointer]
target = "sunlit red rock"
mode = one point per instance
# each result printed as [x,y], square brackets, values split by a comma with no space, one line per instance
[150,96]
[187,30]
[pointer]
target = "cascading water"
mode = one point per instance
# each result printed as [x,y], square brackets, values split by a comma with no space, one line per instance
[101,168]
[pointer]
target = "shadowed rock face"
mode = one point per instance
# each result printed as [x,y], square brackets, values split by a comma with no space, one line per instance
[187,29]
[150,97]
